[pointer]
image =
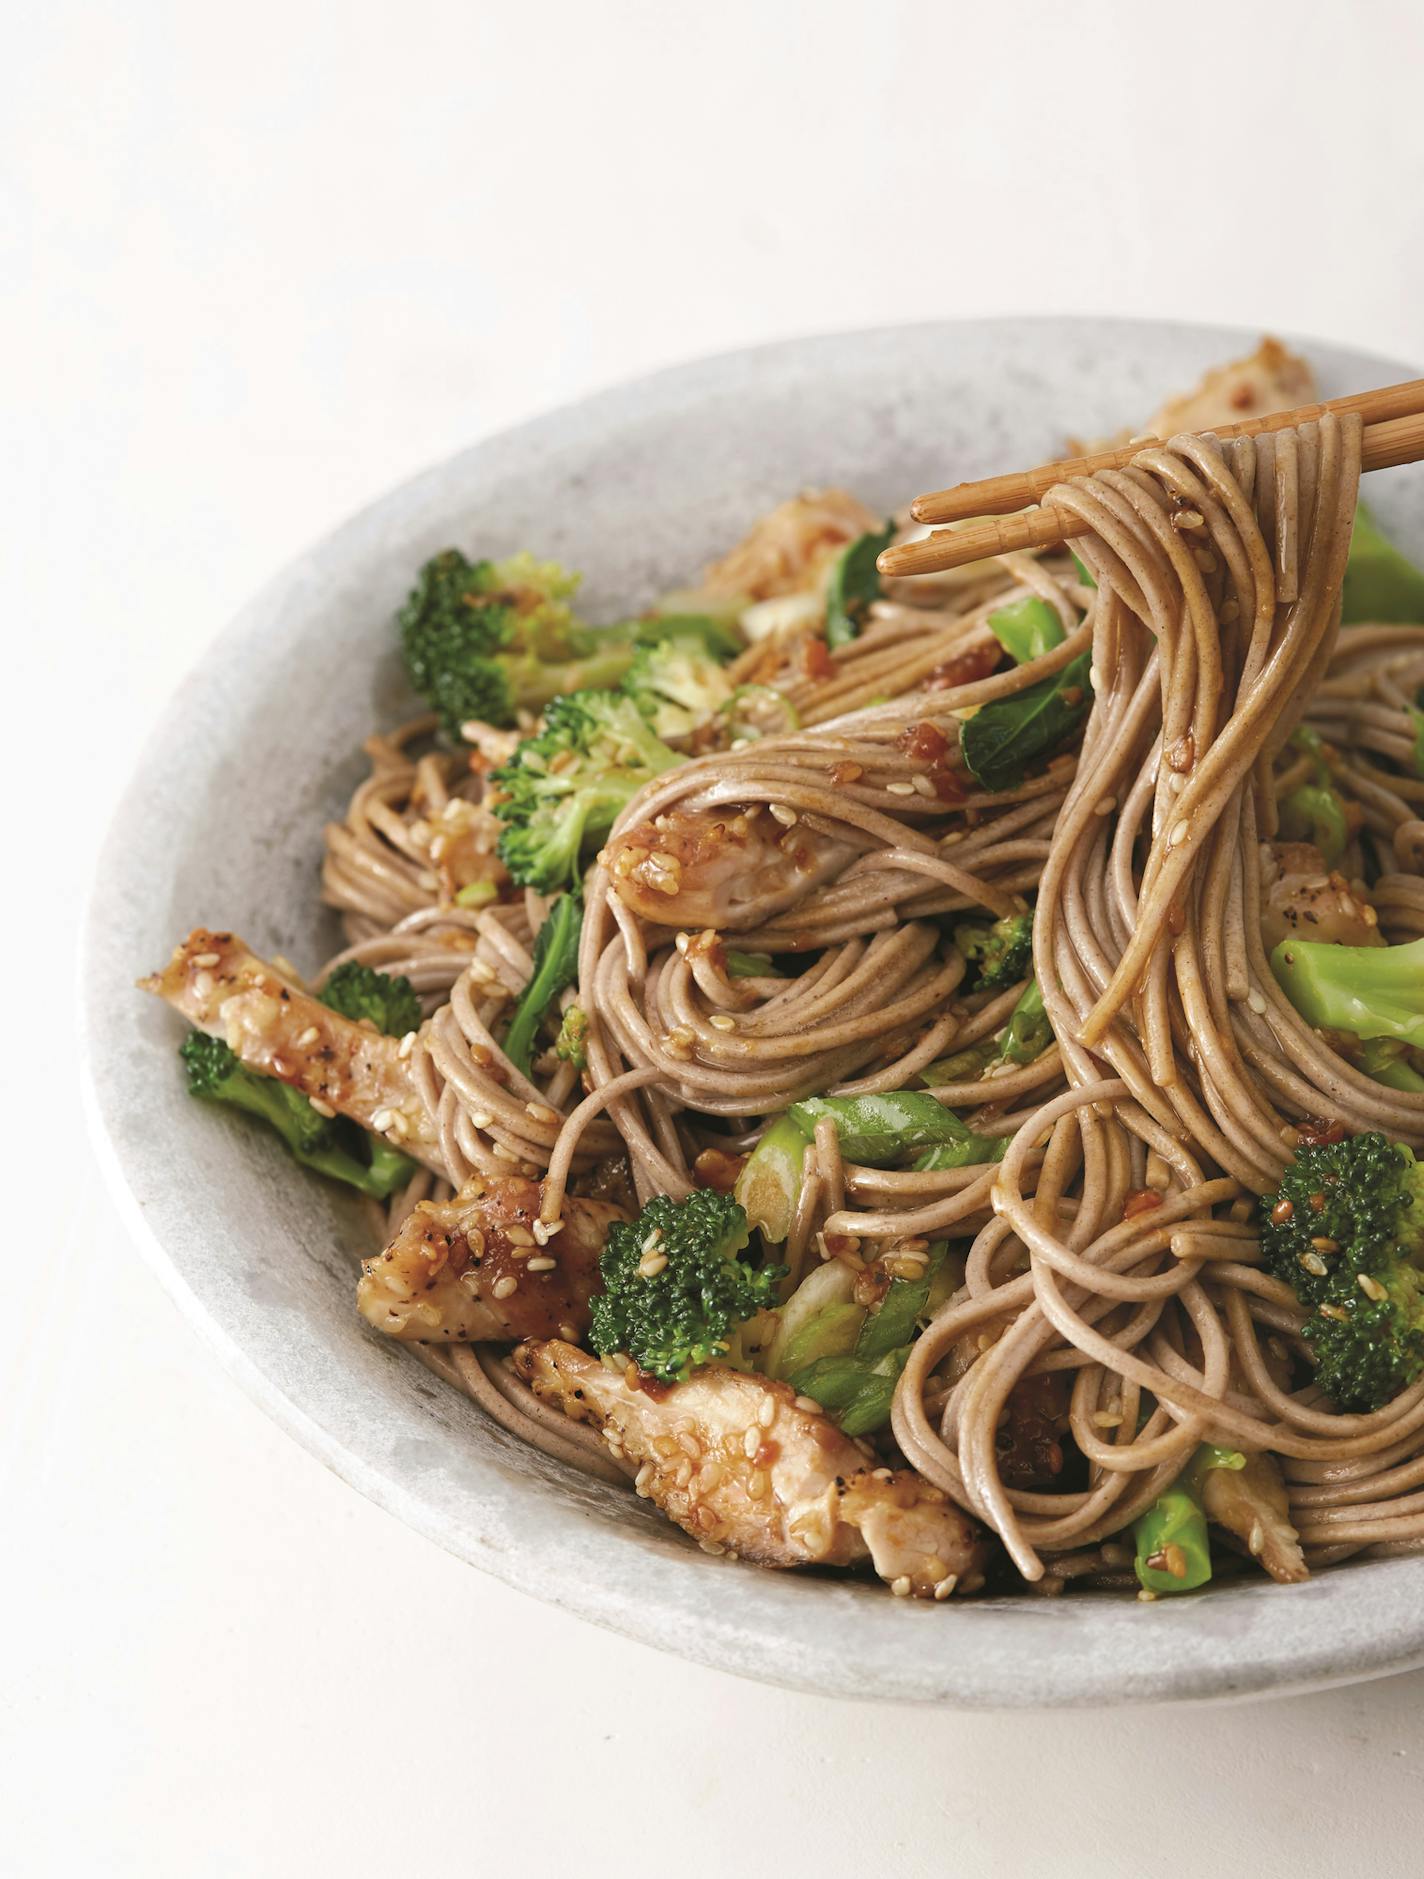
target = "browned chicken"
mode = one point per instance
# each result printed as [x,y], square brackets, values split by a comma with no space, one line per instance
[1252,1503]
[481,1267]
[744,1466]
[791,548]
[728,869]
[274,1027]
[1269,379]
[1303,899]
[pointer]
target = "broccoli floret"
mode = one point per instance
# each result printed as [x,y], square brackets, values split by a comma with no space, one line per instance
[572,1041]
[1375,992]
[677,684]
[483,639]
[1345,1230]
[691,1309]
[332,1146]
[388,999]
[562,790]
[999,955]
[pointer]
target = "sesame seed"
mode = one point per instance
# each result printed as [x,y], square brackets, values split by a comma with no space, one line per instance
[1256,1002]
[946,1586]
[901,1586]
[381,1120]
[1105,806]
[321,1108]
[682,942]
[518,1236]
[751,1442]
[1145,1597]
[541,1112]
[481,1118]
[900,789]
[766,1414]
[784,814]
[721,1022]
[759,1486]
[1188,518]
[569,1332]
[1313,1263]
[922,785]
[651,1242]
[398,1126]
[407,1045]
[206,959]
[503,1153]
[1324,1245]
[202,984]
[309,1036]
[544,1230]
[652,1265]
[279,1067]
[505,1288]
[1256,1539]
[1371,1287]
[1180,831]
[808,1405]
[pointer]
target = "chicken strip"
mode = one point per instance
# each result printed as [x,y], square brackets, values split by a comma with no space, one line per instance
[274,1027]
[1303,899]
[1252,1503]
[742,1465]
[728,869]
[1269,379]
[472,1268]
[789,549]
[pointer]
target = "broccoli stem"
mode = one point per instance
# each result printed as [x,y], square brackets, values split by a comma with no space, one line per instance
[555,966]
[1173,1548]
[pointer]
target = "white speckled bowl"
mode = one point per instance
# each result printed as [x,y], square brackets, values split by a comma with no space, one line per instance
[222,824]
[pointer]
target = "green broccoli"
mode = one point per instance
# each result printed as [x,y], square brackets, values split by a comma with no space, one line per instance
[1345,1229]
[1375,992]
[389,1000]
[1316,811]
[333,1147]
[563,789]
[846,1357]
[677,684]
[572,1041]
[998,955]
[1173,1548]
[1026,1036]
[1381,585]
[555,965]
[483,639]
[675,1294]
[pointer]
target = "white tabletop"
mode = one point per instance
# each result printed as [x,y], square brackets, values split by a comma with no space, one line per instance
[269,260]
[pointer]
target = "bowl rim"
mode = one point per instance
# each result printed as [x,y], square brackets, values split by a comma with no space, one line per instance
[1243,1641]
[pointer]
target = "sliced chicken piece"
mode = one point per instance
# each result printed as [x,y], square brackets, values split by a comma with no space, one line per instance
[728,869]
[741,1465]
[1303,899]
[472,1269]
[1252,1503]
[1269,379]
[790,549]
[274,1027]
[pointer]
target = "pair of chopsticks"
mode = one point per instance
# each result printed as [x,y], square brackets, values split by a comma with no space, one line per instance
[1394,434]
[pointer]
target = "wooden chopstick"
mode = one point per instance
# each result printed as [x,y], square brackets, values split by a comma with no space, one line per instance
[1394,434]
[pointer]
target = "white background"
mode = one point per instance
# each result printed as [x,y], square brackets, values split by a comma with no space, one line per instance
[259,262]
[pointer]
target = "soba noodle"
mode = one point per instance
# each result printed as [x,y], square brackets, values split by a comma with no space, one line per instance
[1115,1246]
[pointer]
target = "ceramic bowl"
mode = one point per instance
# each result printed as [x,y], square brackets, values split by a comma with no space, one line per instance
[222,824]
